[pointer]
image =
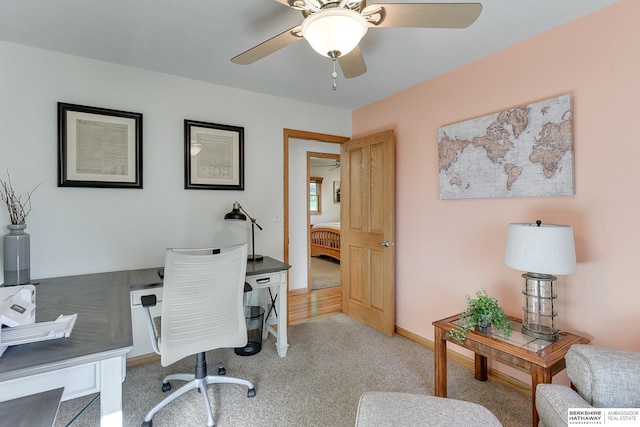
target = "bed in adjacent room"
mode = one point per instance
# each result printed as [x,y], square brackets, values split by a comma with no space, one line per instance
[325,239]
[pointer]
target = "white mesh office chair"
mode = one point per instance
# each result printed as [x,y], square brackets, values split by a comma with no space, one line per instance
[202,309]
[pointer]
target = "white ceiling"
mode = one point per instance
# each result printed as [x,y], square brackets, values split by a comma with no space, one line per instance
[197,38]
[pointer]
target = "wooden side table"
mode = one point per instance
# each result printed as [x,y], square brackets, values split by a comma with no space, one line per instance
[543,359]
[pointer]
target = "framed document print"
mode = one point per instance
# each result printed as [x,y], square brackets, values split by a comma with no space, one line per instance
[98,147]
[213,156]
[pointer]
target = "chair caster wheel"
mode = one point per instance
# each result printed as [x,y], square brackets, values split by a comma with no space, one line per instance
[147,424]
[222,371]
[251,392]
[165,387]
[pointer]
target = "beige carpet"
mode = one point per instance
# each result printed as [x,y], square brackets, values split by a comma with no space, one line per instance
[325,272]
[330,363]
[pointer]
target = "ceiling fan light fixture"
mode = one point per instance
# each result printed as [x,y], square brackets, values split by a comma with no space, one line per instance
[195,149]
[334,30]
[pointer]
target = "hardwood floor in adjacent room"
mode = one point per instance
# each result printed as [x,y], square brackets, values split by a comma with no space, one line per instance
[320,303]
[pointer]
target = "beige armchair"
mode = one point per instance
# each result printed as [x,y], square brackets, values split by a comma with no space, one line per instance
[393,409]
[602,377]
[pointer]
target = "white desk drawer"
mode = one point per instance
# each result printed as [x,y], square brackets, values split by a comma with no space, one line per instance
[264,280]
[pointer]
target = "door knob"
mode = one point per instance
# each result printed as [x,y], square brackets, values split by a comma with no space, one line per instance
[385,243]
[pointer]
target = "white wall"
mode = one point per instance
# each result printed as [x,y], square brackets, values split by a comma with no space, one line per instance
[298,248]
[82,230]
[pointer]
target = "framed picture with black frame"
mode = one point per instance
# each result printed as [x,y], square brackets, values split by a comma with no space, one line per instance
[213,156]
[99,147]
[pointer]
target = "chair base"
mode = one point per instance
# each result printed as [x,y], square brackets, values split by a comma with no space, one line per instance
[199,382]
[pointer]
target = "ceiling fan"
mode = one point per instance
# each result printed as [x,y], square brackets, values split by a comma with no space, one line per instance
[334,28]
[334,166]
[317,162]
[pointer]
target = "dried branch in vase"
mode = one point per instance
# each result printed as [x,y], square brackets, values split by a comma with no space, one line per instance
[18,208]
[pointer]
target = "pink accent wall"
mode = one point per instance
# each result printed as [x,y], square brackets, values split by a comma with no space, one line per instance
[449,248]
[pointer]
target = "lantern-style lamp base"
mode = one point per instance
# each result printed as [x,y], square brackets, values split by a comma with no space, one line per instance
[538,311]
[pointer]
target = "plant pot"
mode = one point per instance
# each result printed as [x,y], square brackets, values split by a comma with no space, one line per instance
[483,329]
[16,256]
[484,325]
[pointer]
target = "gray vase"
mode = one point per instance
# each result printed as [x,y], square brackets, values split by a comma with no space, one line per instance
[16,256]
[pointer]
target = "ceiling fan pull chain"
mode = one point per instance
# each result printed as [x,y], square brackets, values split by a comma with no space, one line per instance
[334,86]
[334,56]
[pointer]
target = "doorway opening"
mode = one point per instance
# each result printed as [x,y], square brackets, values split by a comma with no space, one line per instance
[323,175]
[304,303]
[367,232]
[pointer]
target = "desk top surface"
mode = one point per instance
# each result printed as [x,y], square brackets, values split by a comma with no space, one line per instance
[102,330]
[267,265]
[34,410]
[149,277]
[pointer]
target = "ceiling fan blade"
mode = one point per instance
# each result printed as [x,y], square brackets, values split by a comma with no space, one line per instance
[423,15]
[292,4]
[352,64]
[268,47]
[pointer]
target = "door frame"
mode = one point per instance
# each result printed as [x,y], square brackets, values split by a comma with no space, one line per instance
[288,135]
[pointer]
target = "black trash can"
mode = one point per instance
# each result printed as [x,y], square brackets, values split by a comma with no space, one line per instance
[254,316]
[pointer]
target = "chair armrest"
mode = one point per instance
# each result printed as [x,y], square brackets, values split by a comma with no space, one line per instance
[149,301]
[553,402]
[605,377]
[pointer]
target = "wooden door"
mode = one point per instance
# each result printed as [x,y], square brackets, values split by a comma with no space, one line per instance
[367,230]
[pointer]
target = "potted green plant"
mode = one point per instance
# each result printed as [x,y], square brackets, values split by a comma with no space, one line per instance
[482,311]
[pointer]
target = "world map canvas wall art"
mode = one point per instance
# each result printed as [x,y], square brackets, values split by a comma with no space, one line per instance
[520,152]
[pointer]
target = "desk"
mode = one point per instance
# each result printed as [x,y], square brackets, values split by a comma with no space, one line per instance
[267,274]
[272,274]
[92,359]
[543,359]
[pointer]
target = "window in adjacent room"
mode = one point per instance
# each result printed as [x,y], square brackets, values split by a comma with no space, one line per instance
[315,195]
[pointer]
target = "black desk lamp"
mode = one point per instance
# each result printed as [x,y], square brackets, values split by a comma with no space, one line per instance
[239,214]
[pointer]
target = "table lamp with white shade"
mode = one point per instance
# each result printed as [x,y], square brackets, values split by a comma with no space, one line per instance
[542,251]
